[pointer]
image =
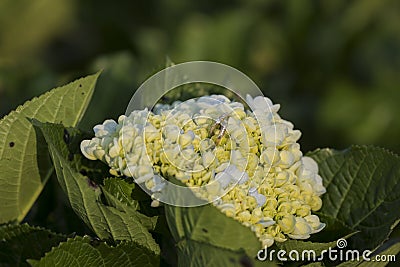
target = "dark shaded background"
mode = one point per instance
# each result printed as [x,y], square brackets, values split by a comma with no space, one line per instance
[334,66]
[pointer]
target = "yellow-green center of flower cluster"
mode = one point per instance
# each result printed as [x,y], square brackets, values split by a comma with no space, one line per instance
[252,155]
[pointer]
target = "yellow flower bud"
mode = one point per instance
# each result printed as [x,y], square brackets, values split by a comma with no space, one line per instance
[314,222]
[303,210]
[207,158]
[266,190]
[316,203]
[207,176]
[171,171]
[151,133]
[267,240]
[114,151]
[185,139]
[285,207]
[228,209]
[281,179]
[273,230]
[269,213]
[271,203]
[286,159]
[269,156]
[252,162]
[302,229]
[114,172]
[244,216]
[182,176]
[213,188]
[201,120]
[150,184]
[239,114]
[287,223]
[256,215]
[99,154]
[251,202]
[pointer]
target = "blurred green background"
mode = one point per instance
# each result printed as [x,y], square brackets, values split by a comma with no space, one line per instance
[333,65]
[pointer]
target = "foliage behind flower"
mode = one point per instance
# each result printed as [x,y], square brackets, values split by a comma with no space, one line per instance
[249,157]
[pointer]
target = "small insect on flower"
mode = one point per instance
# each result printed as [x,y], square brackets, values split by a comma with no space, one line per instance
[221,124]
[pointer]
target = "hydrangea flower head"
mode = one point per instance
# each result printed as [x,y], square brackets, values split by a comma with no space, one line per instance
[249,157]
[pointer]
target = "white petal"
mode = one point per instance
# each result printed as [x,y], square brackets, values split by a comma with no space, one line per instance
[265,222]
[224,179]
[144,178]
[87,149]
[310,164]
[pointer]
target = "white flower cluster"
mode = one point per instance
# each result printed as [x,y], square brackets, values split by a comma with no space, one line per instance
[252,155]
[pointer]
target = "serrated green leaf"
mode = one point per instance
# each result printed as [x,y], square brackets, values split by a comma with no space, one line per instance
[198,254]
[118,193]
[363,193]
[24,162]
[83,251]
[209,225]
[107,222]
[20,242]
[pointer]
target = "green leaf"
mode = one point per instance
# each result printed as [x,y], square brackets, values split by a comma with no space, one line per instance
[198,254]
[83,251]
[107,222]
[118,193]
[363,193]
[21,242]
[209,225]
[206,224]
[24,162]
